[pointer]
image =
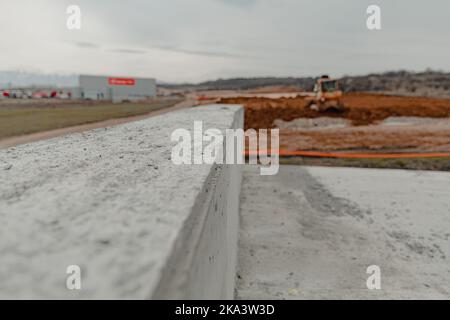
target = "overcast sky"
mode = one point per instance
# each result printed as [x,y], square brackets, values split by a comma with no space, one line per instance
[195,40]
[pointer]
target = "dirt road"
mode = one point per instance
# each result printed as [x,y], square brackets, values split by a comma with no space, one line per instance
[13,141]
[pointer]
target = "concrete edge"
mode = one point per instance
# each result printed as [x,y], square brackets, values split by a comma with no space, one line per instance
[202,264]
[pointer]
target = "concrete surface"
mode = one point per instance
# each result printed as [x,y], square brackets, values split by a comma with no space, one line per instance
[311,233]
[111,201]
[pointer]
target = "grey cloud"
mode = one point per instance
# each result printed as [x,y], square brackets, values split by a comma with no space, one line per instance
[173,48]
[240,3]
[90,45]
[129,51]
[220,54]
[87,45]
[229,37]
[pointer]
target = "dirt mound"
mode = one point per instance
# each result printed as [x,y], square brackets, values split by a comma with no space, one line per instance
[369,108]
[361,109]
[362,126]
[275,89]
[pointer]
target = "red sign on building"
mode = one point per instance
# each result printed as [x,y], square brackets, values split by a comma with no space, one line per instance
[121,81]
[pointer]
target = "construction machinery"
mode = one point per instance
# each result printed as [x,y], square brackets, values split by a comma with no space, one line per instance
[327,95]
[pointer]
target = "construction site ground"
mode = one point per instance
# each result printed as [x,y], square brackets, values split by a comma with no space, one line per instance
[371,123]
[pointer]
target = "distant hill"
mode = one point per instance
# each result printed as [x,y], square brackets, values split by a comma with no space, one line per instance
[427,83]
[245,83]
[17,79]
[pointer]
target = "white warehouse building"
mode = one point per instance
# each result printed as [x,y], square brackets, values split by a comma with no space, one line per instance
[116,88]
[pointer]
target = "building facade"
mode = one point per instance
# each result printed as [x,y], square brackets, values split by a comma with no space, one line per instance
[116,89]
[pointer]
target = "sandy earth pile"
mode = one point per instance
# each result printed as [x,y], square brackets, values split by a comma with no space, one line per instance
[368,123]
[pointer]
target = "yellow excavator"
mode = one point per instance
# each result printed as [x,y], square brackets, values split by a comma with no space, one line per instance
[327,96]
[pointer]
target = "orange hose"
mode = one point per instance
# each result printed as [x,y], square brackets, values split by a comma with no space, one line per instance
[286,153]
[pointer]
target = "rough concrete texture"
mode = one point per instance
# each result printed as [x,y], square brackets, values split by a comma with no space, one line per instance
[311,233]
[111,201]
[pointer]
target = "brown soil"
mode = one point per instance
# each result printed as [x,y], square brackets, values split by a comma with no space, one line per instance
[361,109]
[274,89]
[364,111]
[392,139]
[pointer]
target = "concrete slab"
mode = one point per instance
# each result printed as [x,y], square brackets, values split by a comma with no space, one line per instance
[111,201]
[311,233]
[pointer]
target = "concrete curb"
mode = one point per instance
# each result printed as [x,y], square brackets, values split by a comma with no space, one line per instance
[111,201]
[203,262]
